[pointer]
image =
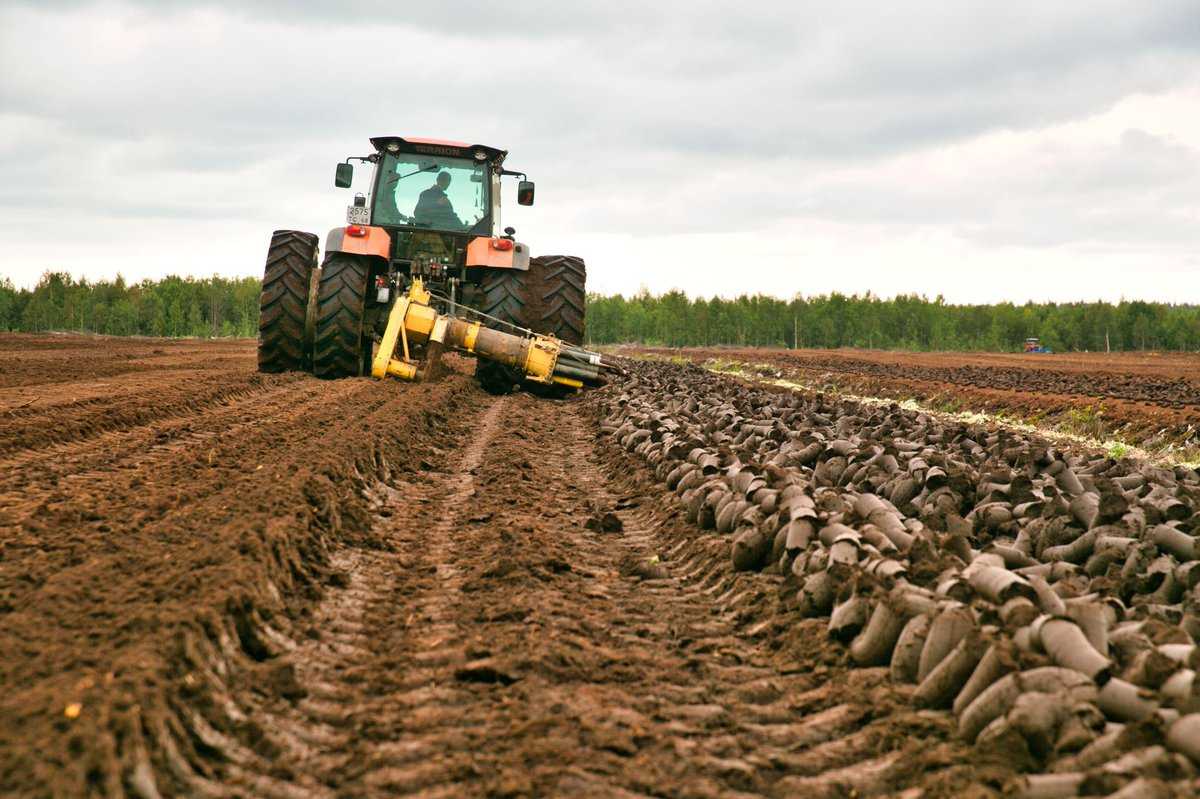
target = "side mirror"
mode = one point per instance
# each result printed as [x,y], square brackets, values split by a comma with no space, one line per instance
[344,176]
[525,192]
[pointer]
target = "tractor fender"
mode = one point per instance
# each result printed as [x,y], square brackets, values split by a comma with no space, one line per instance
[497,254]
[376,241]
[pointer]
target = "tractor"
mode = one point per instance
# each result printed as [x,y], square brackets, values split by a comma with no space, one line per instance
[1034,346]
[426,236]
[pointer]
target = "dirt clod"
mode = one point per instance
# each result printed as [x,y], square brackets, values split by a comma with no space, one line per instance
[606,523]
[484,671]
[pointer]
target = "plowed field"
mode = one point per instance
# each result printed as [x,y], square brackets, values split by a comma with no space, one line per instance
[1144,398]
[220,583]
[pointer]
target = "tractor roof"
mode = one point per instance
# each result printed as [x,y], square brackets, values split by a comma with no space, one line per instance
[413,144]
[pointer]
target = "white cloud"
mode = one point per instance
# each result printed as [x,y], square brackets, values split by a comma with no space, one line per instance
[1050,148]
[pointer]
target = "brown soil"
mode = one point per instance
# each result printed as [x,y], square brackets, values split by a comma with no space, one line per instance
[1148,399]
[219,583]
[157,499]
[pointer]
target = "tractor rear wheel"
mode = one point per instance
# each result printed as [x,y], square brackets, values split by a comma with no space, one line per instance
[556,305]
[283,305]
[342,342]
[549,298]
[503,298]
[557,294]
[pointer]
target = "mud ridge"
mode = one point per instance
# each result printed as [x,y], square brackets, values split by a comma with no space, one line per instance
[1146,400]
[856,511]
[148,601]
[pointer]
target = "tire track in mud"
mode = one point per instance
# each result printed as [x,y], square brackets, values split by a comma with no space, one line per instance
[507,649]
[165,573]
[431,635]
[330,672]
[779,734]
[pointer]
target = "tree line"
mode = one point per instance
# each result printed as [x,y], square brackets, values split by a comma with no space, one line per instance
[172,306]
[910,322]
[217,306]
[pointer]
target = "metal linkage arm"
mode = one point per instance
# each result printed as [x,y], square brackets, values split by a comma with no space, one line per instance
[542,359]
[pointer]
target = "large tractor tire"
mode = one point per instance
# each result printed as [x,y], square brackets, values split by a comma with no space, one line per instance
[549,298]
[342,342]
[504,297]
[283,305]
[558,294]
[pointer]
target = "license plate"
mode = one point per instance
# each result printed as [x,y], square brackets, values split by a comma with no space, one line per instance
[358,215]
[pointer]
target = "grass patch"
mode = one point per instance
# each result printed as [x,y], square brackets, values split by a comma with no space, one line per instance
[1087,422]
[1117,450]
[726,367]
[946,404]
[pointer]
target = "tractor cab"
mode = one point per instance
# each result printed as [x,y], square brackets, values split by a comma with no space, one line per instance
[433,184]
[437,204]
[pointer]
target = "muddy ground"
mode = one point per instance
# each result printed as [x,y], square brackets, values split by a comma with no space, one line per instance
[219,583]
[1144,398]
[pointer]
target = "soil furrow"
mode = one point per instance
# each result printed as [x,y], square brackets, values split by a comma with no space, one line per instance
[95,408]
[33,472]
[521,653]
[506,647]
[328,690]
[166,571]
[53,361]
[188,461]
[284,587]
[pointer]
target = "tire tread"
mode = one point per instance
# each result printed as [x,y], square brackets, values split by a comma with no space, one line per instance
[504,298]
[341,301]
[562,287]
[284,301]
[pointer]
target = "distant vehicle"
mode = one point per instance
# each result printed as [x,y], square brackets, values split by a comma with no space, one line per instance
[1034,345]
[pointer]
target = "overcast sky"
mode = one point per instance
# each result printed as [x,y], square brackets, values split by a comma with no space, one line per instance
[982,150]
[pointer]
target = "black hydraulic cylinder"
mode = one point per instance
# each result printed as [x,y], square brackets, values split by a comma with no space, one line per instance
[578,372]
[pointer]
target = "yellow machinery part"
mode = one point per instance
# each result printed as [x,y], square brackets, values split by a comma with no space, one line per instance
[401,369]
[541,358]
[410,315]
[417,292]
[419,320]
[395,325]
[536,356]
[472,335]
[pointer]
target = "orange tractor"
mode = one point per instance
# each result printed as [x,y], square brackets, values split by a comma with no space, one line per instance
[424,244]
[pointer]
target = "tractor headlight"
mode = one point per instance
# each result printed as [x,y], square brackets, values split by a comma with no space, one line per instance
[480,155]
[393,147]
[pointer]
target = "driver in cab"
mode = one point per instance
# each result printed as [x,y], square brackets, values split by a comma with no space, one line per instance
[434,207]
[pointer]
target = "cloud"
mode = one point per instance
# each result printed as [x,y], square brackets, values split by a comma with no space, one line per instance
[974,127]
